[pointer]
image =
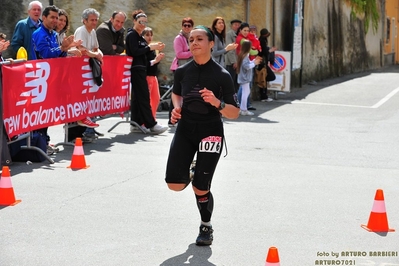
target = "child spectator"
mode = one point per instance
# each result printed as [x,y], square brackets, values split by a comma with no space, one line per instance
[245,74]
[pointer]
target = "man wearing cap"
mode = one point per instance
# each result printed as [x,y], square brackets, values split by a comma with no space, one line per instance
[231,56]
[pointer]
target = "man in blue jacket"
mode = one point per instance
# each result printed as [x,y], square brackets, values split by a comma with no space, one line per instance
[45,45]
[44,39]
[22,36]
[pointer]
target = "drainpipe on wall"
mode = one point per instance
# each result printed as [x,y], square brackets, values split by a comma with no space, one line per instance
[51,2]
[248,7]
[274,21]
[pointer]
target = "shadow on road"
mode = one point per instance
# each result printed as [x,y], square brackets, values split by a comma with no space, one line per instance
[194,256]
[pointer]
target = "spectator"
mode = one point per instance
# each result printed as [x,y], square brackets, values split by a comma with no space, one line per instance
[88,35]
[182,51]
[62,30]
[45,40]
[180,44]
[22,36]
[111,41]
[4,153]
[4,44]
[245,74]
[231,56]
[153,60]
[220,49]
[89,47]
[137,47]
[110,34]
[62,25]
[252,30]
[266,53]
[244,34]
[45,45]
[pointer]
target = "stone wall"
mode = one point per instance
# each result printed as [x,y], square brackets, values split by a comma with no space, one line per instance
[335,44]
[10,14]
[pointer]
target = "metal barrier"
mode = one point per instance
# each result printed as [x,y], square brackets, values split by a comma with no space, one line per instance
[127,121]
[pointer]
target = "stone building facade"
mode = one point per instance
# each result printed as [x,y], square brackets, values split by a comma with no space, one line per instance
[333,43]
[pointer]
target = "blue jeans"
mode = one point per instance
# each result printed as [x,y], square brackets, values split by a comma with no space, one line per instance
[90,131]
[239,93]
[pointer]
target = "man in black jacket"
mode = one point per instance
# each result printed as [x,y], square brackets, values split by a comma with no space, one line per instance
[110,34]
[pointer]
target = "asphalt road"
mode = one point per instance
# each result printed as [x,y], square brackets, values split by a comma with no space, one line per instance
[300,175]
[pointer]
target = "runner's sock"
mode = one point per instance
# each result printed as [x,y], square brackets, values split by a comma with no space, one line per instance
[205,206]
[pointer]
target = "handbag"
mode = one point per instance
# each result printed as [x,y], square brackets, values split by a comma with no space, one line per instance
[271,58]
[96,71]
[38,140]
[260,78]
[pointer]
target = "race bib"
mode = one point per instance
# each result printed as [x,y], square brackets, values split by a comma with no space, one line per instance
[211,144]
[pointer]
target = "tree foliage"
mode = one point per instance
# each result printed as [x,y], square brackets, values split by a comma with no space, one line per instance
[369,9]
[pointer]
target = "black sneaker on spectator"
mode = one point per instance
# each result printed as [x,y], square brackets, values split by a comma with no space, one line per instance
[205,236]
[98,133]
[89,137]
[251,108]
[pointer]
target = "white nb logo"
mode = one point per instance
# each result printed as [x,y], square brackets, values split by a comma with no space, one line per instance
[38,81]
[89,82]
[126,74]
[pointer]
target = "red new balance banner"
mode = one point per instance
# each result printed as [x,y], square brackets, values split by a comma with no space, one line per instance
[48,92]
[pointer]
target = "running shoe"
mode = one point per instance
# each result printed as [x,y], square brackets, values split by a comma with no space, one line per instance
[50,150]
[158,129]
[246,112]
[141,129]
[99,133]
[87,123]
[205,236]
[267,100]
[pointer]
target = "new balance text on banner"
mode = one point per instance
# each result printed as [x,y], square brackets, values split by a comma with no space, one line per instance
[42,93]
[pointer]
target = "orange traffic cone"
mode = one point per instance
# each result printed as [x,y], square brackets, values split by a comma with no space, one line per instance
[378,221]
[7,197]
[78,157]
[272,257]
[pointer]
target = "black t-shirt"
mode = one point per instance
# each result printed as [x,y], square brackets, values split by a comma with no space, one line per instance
[151,70]
[191,78]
